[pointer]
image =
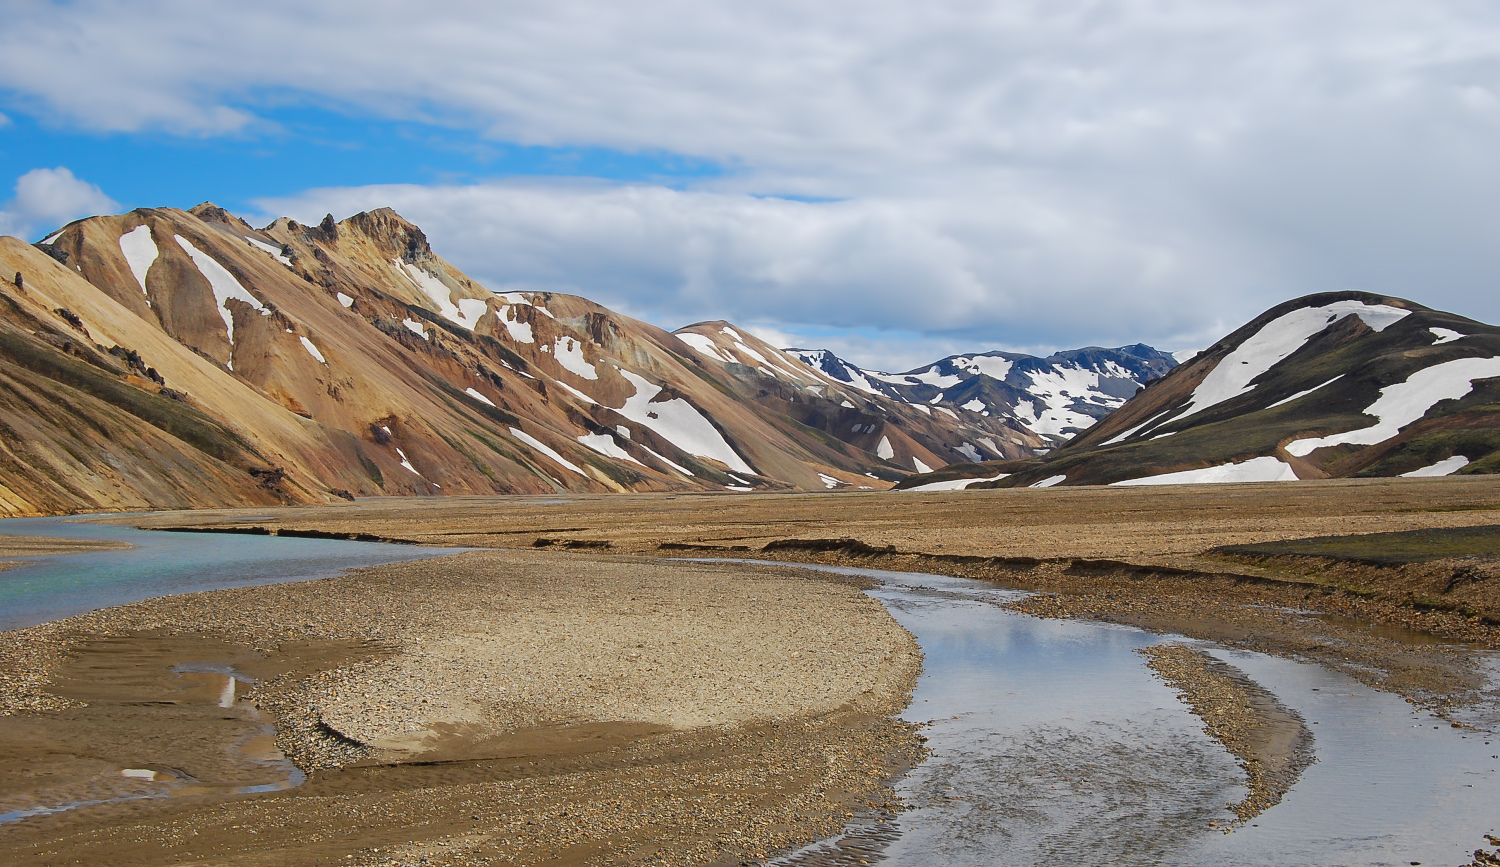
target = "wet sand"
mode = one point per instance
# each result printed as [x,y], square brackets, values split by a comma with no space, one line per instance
[492,707]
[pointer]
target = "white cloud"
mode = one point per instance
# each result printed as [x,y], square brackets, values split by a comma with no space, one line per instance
[1027,173]
[46,199]
[988,276]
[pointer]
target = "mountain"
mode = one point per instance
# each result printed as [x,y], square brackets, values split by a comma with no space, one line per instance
[1053,397]
[1343,384]
[171,359]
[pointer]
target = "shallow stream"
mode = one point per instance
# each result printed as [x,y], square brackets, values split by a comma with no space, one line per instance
[1053,743]
[164,563]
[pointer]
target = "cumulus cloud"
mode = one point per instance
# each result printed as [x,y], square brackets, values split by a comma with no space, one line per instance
[1028,172]
[46,199]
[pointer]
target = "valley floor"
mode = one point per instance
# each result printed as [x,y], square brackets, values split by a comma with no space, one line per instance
[458,710]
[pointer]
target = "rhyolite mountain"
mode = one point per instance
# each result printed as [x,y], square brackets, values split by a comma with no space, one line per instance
[174,359]
[1343,384]
[1054,397]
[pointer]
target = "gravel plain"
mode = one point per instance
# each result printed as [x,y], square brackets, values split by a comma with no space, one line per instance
[497,707]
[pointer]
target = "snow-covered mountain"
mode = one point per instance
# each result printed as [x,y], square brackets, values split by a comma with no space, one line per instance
[1328,386]
[1054,397]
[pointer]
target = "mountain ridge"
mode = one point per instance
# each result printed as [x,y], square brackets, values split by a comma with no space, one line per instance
[298,363]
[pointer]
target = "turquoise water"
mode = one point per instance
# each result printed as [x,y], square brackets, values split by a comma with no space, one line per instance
[163,564]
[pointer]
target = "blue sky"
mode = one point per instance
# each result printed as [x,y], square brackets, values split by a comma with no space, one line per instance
[294,150]
[892,180]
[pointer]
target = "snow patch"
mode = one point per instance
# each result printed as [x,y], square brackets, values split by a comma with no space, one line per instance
[605,445]
[676,466]
[1405,402]
[474,393]
[273,250]
[1445,335]
[465,313]
[345,300]
[703,345]
[1056,389]
[545,449]
[1445,467]
[952,484]
[969,451]
[884,450]
[415,327]
[140,251]
[931,376]
[921,467]
[992,366]
[830,482]
[569,354]
[404,461]
[312,350]
[1049,482]
[520,332]
[223,284]
[976,405]
[1275,341]
[679,423]
[846,404]
[1263,469]
[1183,356]
[944,409]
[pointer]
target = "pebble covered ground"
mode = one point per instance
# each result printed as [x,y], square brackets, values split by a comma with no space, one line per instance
[584,709]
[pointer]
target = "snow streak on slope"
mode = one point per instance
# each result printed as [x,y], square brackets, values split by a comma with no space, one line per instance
[140,251]
[1446,467]
[224,285]
[273,250]
[1275,341]
[953,484]
[1263,469]
[312,350]
[704,345]
[678,423]
[546,450]
[1405,402]
[605,445]
[465,313]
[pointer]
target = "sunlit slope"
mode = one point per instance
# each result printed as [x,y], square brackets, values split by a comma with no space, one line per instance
[1331,385]
[303,363]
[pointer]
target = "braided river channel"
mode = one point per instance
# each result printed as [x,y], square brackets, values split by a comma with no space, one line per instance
[1051,741]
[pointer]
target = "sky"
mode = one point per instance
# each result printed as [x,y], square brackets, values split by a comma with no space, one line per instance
[896,181]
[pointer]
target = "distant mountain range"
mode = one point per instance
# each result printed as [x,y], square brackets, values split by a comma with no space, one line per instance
[1054,397]
[175,359]
[1343,384]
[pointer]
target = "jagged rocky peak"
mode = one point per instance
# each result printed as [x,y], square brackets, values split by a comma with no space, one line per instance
[391,233]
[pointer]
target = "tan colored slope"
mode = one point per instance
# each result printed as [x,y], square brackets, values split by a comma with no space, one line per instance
[351,359]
